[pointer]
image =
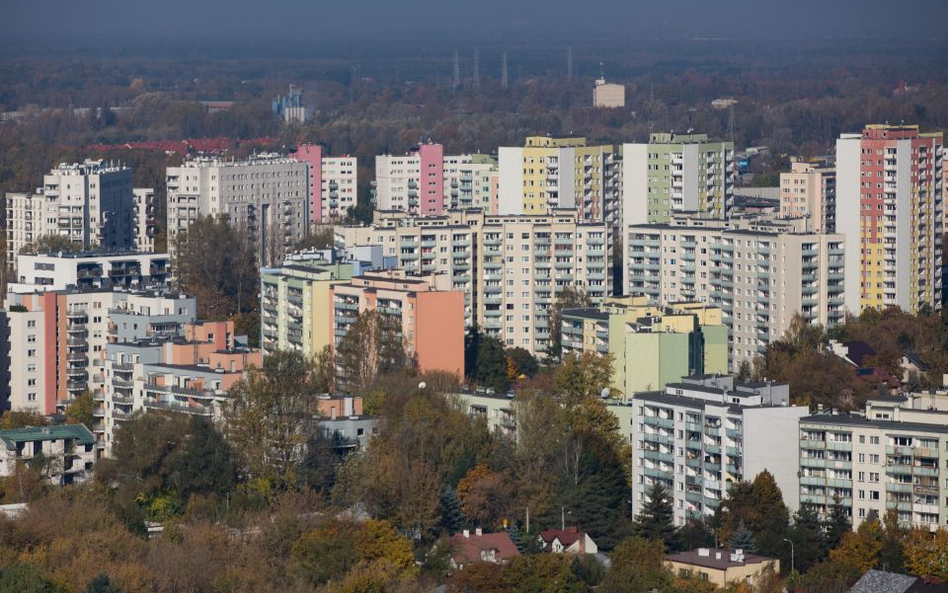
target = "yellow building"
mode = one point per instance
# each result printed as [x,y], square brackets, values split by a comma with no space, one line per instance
[650,346]
[551,173]
[721,567]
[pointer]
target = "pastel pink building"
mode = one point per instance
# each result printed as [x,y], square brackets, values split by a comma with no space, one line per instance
[333,183]
[431,158]
[430,314]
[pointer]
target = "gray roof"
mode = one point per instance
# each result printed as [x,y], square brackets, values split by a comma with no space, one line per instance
[879,581]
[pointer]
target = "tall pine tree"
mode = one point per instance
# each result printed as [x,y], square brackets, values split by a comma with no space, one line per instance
[837,523]
[655,520]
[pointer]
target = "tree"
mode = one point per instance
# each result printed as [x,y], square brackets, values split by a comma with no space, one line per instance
[637,565]
[742,538]
[809,540]
[53,243]
[695,533]
[452,519]
[269,416]
[486,496]
[80,409]
[521,362]
[206,464]
[860,549]
[569,298]
[925,553]
[216,263]
[492,365]
[324,454]
[584,375]
[17,419]
[837,523]
[373,346]
[23,578]
[655,520]
[541,573]
[102,584]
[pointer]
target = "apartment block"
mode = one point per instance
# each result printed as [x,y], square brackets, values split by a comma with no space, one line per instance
[890,208]
[92,203]
[66,452]
[676,173]
[426,182]
[471,181]
[889,459]
[760,273]
[699,436]
[547,174]
[510,269]
[92,270]
[296,305]
[411,183]
[650,346]
[429,315]
[333,184]
[189,372]
[808,191]
[57,345]
[268,195]
[144,219]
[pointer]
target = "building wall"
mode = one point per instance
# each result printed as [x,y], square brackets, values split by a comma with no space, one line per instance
[267,194]
[439,332]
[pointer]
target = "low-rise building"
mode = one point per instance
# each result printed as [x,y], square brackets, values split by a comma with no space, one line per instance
[567,541]
[650,346]
[721,567]
[701,435]
[90,270]
[470,548]
[61,454]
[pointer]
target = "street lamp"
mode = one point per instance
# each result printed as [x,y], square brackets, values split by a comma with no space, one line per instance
[791,553]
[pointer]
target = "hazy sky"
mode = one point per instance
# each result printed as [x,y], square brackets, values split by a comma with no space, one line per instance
[69,21]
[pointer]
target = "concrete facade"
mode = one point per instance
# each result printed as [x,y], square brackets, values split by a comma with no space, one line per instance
[760,273]
[333,184]
[268,195]
[87,271]
[890,208]
[808,190]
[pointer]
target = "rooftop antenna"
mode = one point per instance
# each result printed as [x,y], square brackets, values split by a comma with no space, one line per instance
[602,72]
[457,71]
[477,68]
[503,71]
[651,100]
[569,62]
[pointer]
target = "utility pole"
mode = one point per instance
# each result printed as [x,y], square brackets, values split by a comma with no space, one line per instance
[457,71]
[503,71]
[730,123]
[791,553]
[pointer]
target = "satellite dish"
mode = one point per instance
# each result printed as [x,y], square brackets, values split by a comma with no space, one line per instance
[604,394]
[422,385]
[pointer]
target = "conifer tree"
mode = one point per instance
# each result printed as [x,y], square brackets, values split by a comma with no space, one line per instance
[742,539]
[655,520]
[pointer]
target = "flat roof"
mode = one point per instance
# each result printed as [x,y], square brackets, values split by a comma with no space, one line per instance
[11,437]
[694,558]
[851,420]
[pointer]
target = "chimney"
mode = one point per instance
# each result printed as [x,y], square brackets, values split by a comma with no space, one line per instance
[717,555]
[705,552]
[478,532]
[467,533]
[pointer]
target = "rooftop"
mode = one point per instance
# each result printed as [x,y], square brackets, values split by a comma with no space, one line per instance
[12,437]
[708,558]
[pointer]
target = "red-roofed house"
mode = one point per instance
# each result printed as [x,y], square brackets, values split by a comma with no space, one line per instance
[468,548]
[568,541]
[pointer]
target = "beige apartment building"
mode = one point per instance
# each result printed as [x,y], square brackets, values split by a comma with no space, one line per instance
[760,273]
[808,191]
[267,194]
[92,203]
[888,459]
[509,268]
